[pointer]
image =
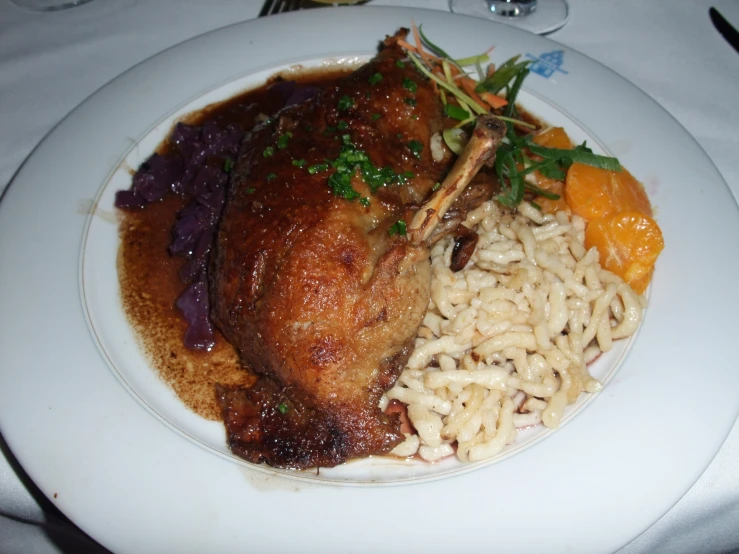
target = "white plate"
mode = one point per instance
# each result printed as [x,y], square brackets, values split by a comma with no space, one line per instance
[110,329]
[135,485]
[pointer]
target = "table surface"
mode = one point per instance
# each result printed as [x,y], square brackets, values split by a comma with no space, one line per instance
[51,62]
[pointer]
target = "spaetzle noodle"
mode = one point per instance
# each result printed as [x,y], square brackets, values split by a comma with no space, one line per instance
[506,341]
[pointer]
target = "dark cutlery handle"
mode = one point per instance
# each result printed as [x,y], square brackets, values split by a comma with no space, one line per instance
[724,28]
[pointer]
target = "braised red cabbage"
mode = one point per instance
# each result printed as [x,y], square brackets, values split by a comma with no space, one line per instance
[196,167]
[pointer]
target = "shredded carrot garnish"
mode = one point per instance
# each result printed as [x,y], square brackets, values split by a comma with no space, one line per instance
[425,56]
[493,100]
[407,45]
[468,85]
[422,53]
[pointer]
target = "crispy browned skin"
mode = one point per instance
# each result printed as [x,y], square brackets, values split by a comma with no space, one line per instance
[310,288]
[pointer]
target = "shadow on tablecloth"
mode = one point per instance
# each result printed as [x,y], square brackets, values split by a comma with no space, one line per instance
[49,530]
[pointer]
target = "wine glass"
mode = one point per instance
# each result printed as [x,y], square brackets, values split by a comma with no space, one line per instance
[538,16]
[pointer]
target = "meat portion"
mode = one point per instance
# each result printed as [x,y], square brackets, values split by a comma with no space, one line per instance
[307,282]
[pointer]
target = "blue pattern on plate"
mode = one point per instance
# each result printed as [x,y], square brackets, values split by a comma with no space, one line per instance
[547,63]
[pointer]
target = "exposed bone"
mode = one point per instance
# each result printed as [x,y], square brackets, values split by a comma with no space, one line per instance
[487,136]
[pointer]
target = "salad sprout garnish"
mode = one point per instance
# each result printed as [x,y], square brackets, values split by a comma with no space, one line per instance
[495,90]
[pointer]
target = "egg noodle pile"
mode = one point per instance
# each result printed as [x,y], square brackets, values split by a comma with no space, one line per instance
[506,342]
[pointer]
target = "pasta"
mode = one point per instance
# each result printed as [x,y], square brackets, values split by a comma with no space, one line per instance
[506,341]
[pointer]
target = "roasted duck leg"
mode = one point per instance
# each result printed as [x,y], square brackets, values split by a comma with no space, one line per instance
[313,279]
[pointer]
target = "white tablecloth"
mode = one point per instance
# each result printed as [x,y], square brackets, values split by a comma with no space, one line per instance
[49,63]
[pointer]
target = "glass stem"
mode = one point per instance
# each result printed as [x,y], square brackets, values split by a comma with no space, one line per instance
[512,8]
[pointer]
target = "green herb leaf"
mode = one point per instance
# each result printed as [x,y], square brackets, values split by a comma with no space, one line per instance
[512,183]
[283,141]
[416,147]
[409,84]
[503,76]
[271,177]
[541,192]
[342,126]
[553,171]
[364,201]
[456,112]
[435,49]
[269,151]
[341,185]
[397,228]
[376,78]
[250,190]
[510,109]
[299,163]
[228,165]
[317,168]
[400,64]
[376,116]
[283,409]
[410,101]
[581,154]
[345,102]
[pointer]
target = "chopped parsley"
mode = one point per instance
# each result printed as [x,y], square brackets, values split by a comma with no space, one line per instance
[397,228]
[283,141]
[282,408]
[416,147]
[317,168]
[228,165]
[342,126]
[250,190]
[376,78]
[409,85]
[341,185]
[364,201]
[376,116]
[269,151]
[345,102]
[271,177]
[400,64]
[436,186]
[350,160]
[299,163]
[410,101]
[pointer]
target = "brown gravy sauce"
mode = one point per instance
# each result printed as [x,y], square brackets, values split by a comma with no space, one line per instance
[149,278]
